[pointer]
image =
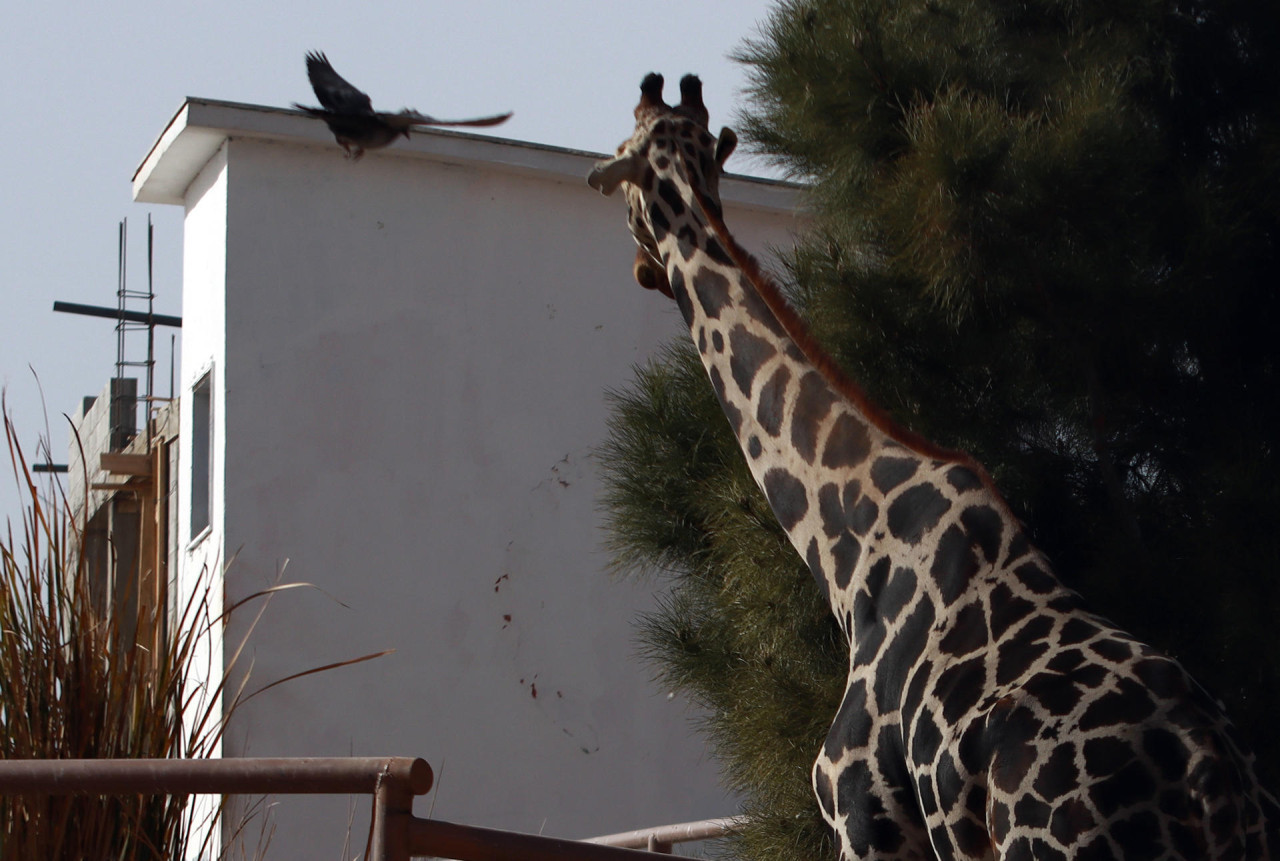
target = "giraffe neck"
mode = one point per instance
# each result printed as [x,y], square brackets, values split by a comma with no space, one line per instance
[811,439]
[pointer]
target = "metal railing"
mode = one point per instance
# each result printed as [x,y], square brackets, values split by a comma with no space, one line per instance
[395,833]
[663,837]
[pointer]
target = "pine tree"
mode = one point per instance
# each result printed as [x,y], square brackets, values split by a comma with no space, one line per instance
[1045,233]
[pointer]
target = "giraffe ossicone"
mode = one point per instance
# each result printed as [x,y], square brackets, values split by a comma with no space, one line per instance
[987,713]
[630,167]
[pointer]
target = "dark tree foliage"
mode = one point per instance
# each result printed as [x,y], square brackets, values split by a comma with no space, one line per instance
[1046,233]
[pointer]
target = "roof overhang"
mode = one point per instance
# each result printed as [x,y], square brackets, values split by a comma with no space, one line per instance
[199,128]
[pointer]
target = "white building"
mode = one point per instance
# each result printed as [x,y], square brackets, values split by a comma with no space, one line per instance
[393,376]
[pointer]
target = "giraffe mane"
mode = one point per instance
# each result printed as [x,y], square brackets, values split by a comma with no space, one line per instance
[800,333]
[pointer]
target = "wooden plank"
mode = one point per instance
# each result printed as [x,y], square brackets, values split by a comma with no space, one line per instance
[118,463]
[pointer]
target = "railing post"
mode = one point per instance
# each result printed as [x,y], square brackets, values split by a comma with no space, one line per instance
[392,813]
[653,844]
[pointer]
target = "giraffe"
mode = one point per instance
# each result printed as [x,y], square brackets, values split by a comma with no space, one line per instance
[987,713]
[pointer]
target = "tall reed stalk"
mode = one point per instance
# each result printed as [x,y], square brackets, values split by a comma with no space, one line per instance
[75,682]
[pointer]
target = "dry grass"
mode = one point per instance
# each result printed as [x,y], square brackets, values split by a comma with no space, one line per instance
[75,683]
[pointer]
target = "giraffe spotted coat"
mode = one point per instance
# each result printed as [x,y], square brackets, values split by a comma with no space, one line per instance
[987,714]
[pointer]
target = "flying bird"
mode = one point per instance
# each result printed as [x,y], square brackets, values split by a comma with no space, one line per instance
[349,113]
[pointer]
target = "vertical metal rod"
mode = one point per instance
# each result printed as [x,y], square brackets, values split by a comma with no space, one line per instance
[392,814]
[121,274]
[151,331]
[113,427]
[377,850]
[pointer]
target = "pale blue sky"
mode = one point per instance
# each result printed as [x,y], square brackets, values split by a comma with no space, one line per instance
[88,87]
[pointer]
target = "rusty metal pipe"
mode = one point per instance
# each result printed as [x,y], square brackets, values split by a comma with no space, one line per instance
[468,843]
[231,776]
[389,828]
[666,835]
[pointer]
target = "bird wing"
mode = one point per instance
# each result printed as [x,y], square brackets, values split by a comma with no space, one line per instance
[412,118]
[334,91]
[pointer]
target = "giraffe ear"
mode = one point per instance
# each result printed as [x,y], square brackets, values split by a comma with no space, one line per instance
[725,146]
[650,275]
[612,172]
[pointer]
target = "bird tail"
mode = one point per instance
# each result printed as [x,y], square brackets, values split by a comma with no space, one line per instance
[495,120]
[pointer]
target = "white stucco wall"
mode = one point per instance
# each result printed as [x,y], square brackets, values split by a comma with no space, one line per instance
[201,556]
[410,357]
[194,592]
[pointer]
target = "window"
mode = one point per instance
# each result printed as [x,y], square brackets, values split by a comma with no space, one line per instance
[201,453]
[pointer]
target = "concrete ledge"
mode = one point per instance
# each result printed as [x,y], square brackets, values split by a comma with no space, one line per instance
[201,126]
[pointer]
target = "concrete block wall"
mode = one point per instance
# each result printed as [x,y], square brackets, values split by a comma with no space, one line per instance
[103,423]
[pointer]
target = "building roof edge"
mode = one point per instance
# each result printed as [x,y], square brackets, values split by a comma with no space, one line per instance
[200,126]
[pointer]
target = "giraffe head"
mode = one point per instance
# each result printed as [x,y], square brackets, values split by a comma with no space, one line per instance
[671,147]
